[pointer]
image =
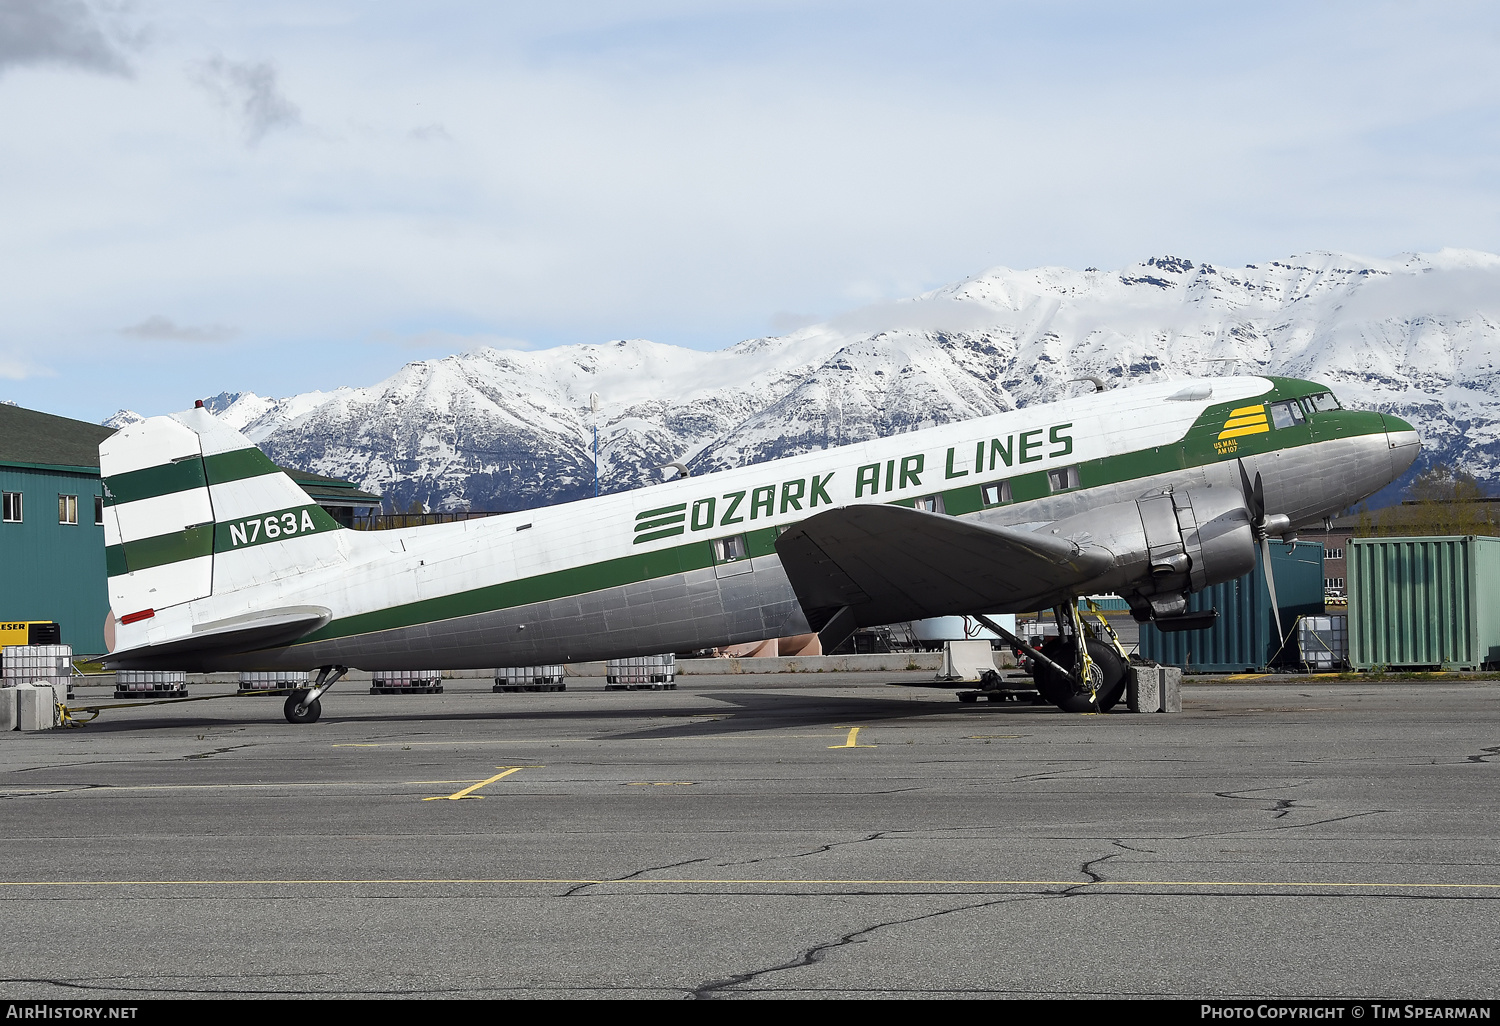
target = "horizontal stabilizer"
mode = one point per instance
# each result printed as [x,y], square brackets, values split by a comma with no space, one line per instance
[887,564]
[262,629]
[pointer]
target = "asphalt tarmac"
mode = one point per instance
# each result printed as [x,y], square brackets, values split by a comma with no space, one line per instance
[823,835]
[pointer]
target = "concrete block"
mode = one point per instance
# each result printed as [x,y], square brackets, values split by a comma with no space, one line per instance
[1171,689]
[10,714]
[966,660]
[1143,690]
[36,707]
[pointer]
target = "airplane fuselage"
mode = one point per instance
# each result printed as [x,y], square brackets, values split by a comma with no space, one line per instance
[692,563]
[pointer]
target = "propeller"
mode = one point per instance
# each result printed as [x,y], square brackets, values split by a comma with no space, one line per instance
[1263,526]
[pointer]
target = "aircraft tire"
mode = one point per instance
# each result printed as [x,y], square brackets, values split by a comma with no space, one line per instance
[1059,691]
[297,715]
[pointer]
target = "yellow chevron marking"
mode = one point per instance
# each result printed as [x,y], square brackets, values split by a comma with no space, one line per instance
[1245,411]
[1234,422]
[1237,432]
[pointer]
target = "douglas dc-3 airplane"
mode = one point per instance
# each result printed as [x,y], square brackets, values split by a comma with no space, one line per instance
[217,561]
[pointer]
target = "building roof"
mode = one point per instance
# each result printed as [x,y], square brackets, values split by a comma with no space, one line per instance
[330,491]
[35,439]
[32,439]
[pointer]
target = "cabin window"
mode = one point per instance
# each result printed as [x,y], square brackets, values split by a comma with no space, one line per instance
[931,503]
[12,507]
[727,550]
[1287,414]
[67,509]
[1063,478]
[1323,403]
[995,494]
[98,511]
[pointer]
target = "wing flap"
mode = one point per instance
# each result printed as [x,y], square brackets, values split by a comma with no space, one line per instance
[886,564]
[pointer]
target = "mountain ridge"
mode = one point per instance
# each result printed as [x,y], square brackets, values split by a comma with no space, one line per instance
[1417,335]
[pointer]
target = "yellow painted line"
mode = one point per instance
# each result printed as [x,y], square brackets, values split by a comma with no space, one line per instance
[1237,432]
[1245,411]
[585,740]
[849,742]
[659,783]
[988,737]
[770,882]
[469,790]
[1246,676]
[106,788]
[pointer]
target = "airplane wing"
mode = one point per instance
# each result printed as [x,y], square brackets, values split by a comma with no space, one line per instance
[862,566]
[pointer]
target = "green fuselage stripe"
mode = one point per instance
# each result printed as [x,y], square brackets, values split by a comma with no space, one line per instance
[186,474]
[145,553]
[238,465]
[149,482]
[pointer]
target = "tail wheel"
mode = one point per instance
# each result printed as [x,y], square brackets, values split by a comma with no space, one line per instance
[1107,679]
[296,712]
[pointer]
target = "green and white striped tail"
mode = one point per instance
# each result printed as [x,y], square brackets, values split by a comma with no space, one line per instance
[192,508]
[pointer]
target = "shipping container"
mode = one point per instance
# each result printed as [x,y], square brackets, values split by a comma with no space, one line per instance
[1244,636]
[1417,603]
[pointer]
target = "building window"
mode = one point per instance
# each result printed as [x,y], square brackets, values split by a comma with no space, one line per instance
[1333,583]
[12,507]
[67,509]
[1062,479]
[995,494]
[98,511]
[1335,553]
[931,503]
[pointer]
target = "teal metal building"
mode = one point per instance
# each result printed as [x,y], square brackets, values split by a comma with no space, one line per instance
[52,528]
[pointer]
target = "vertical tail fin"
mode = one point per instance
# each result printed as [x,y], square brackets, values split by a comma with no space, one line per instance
[192,509]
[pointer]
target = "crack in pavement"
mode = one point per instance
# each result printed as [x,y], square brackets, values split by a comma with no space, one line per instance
[216,751]
[628,876]
[1281,806]
[818,952]
[880,835]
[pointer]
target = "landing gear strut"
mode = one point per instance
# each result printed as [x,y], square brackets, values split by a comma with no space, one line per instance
[1081,671]
[302,705]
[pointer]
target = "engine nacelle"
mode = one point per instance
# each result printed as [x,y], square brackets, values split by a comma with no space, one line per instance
[1167,545]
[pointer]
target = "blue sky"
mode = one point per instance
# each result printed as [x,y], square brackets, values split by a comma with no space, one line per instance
[286,196]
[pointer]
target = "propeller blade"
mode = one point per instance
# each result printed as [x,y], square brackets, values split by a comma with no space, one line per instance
[1260,500]
[1254,503]
[1265,564]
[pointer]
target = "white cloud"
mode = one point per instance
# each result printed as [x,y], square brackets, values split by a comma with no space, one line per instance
[66,32]
[164,329]
[250,92]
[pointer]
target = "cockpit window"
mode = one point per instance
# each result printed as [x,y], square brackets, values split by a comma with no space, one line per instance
[1323,403]
[1287,414]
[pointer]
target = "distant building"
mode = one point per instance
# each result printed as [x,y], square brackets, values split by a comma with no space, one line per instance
[1411,518]
[52,567]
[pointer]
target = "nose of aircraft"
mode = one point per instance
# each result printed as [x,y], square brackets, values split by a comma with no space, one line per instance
[1403,441]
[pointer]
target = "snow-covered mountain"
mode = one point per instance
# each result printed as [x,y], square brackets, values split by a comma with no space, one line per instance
[1418,335]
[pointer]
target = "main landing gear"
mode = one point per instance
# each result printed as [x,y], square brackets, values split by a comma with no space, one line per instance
[1084,669]
[302,705]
